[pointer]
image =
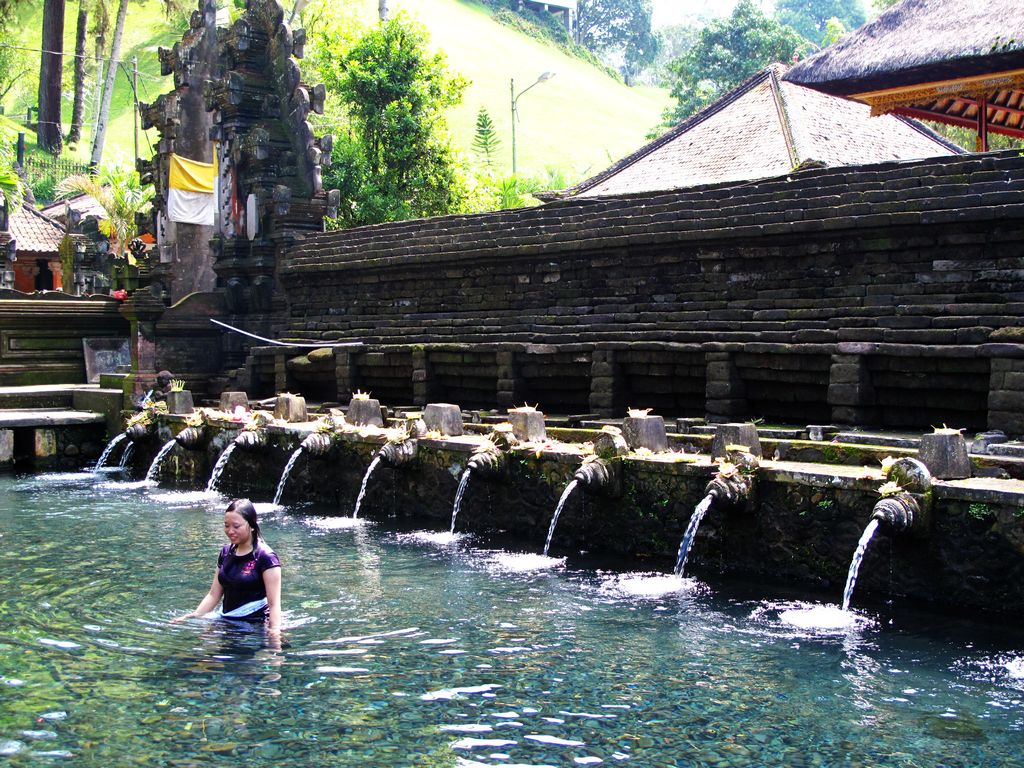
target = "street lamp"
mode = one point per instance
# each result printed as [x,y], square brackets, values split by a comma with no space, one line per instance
[515,115]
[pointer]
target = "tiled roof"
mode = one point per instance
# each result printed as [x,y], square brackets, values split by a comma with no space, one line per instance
[35,231]
[84,205]
[764,128]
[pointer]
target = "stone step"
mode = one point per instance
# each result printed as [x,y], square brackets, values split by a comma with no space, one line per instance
[869,438]
[1013,449]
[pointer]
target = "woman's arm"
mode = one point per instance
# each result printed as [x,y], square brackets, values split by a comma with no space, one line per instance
[272,583]
[208,603]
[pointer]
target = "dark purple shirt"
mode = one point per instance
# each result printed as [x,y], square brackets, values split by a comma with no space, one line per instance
[241,576]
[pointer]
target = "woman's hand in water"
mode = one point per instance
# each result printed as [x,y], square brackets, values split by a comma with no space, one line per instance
[179,619]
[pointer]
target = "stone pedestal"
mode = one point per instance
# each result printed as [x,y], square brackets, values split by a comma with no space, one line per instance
[444,418]
[735,434]
[290,408]
[45,443]
[231,400]
[527,426]
[945,455]
[645,432]
[180,402]
[6,447]
[364,412]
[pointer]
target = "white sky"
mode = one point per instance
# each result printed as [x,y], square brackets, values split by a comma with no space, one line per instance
[676,11]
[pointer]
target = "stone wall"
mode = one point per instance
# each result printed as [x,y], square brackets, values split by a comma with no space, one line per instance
[41,335]
[888,294]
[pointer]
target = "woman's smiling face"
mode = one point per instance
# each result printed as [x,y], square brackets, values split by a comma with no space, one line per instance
[237,530]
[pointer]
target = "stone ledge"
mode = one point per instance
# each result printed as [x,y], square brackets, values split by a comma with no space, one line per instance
[47,417]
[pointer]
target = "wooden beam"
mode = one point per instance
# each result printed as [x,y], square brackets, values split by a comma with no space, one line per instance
[981,145]
[941,117]
[993,106]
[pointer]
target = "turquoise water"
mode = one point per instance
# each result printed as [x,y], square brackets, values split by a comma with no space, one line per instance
[407,650]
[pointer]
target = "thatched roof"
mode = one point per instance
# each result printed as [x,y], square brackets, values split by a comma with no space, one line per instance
[763,128]
[918,42]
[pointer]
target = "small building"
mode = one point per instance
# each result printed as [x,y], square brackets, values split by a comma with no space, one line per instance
[945,60]
[75,209]
[30,244]
[566,9]
[765,127]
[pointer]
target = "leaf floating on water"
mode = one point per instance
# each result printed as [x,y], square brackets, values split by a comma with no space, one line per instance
[220,747]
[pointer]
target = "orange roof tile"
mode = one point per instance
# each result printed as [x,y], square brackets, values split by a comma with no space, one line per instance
[35,231]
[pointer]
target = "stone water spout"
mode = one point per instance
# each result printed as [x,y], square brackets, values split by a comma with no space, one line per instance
[732,487]
[600,472]
[398,453]
[905,506]
[139,430]
[191,438]
[488,460]
[318,444]
[734,483]
[194,436]
[394,454]
[253,437]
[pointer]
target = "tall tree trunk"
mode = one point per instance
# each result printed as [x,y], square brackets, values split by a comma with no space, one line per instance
[97,97]
[78,110]
[382,9]
[108,88]
[51,66]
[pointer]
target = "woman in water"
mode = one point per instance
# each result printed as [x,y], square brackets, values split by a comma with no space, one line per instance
[248,575]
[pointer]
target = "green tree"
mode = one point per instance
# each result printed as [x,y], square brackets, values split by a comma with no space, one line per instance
[674,42]
[14,63]
[618,25]
[810,17]
[881,6]
[12,189]
[401,161]
[834,30]
[485,141]
[727,51]
[121,195]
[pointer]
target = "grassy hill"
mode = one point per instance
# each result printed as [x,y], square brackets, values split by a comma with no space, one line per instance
[580,121]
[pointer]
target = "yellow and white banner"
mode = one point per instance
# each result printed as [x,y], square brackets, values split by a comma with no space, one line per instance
[191,197]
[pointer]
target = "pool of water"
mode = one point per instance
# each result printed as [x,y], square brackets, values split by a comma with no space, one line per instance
[422,649]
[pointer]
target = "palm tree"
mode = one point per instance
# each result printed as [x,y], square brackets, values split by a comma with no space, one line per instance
[121,195]
[12,190]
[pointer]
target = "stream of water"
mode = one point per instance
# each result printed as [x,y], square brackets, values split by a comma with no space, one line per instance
[362,486]
[284,475]
[397,652]
[691,533]
[463,484]
[558,512]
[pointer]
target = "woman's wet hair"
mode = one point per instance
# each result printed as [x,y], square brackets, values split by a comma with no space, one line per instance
[247,510]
